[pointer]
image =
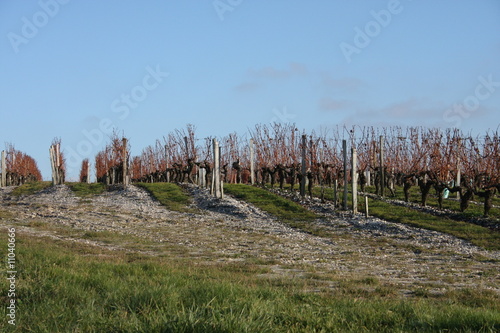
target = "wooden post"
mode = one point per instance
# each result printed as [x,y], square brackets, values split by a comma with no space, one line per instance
[458,180]
[166,164]
[322,175]
[335,196]
[344,151]
[52,152]
[51,157]
[3,181]
[354,180]
[221,188]
[382,175]
[88,172]
[125,164]
[366,206]
[303,168]
[252,163]
[216,179]
[58,164]
[201,177]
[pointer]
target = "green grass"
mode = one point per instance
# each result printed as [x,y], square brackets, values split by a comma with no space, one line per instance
[87,190]
[170,195]
[5,214]
[474,210]
[284,209]
[60,288]
[30,188]
[269,202]
[477,235]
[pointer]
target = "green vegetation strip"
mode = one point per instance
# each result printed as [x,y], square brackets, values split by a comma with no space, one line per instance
[270,202]
[474,210]
[87,190]
[63,288]
[473,233]
[168,194]
[30,188]
[477,235]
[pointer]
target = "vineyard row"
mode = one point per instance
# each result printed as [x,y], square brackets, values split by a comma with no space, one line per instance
[412,156]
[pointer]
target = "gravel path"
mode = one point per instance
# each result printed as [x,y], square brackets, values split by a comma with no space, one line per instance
[225,230]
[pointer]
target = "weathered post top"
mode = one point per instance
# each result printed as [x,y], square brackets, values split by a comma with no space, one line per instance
[304,168]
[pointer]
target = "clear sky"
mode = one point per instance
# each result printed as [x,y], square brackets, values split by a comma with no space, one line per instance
[75,69]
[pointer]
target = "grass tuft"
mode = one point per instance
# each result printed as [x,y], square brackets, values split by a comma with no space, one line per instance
[30,188]
[269,202]
[170,195]
[87,190]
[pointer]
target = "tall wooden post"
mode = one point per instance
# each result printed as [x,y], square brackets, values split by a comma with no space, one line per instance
[335,195]
[221,188]
[354,180]
[366,206]
[88,172]
[252,162]
[53,165]
[58,163]
[201,177]
[382,174]
[4,170]
[303,169]
[125,162]
[458,180]
[216,181]
[51,156]
[344,152]
[166,164]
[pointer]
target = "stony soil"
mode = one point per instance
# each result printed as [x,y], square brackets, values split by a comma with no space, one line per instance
[228,230]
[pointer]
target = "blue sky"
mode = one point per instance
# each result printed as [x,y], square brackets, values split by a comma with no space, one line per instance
[75,69]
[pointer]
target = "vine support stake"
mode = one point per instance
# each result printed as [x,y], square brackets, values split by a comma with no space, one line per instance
[382,174]
[252,162]
[216,179]
[366,206]
[4,171]
[125,164]
[303,169]
[344,152]
[354,179]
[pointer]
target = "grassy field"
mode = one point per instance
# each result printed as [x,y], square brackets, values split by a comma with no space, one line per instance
[65,287]
[73,287]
